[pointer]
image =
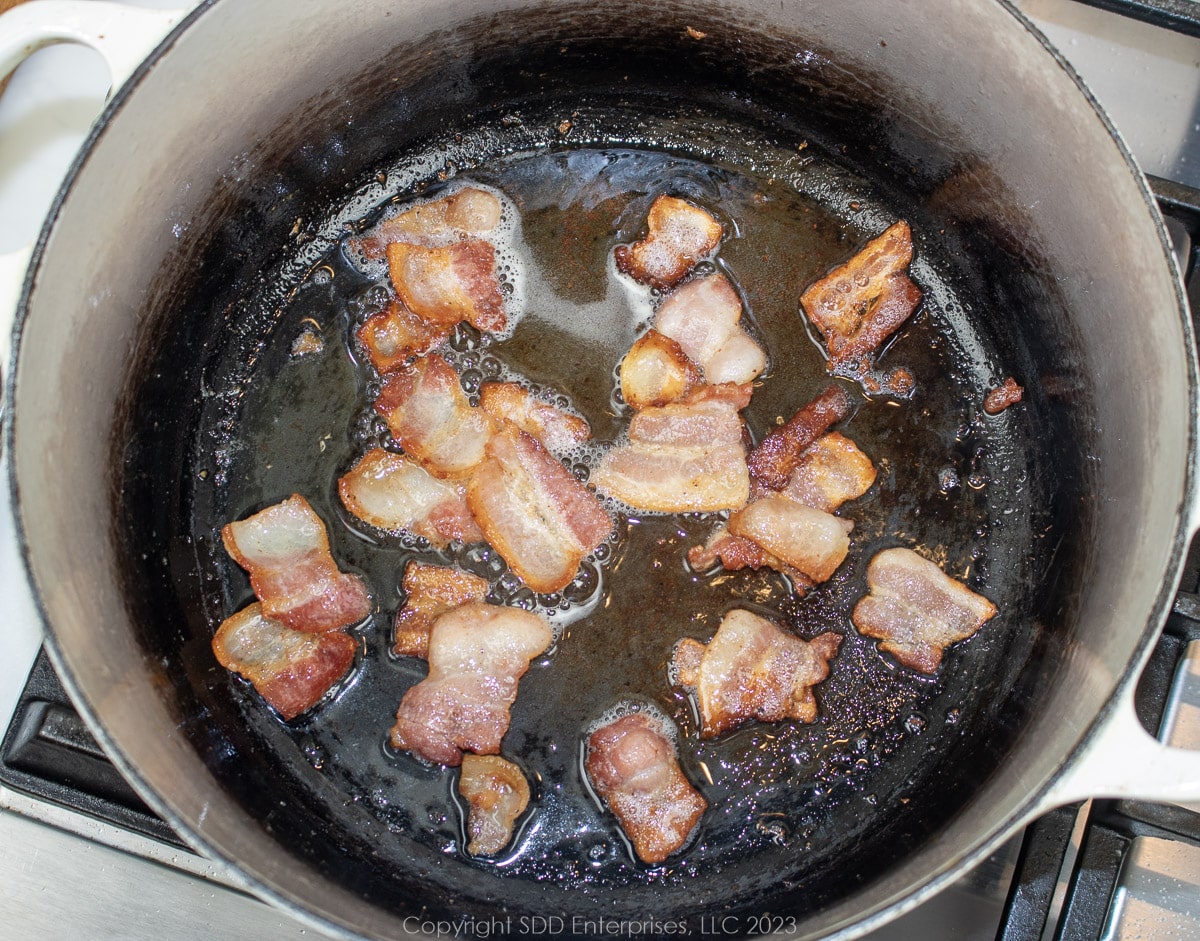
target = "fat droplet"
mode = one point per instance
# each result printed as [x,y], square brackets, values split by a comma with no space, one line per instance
[947,479]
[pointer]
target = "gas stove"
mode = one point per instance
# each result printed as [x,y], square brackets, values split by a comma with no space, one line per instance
[84,857]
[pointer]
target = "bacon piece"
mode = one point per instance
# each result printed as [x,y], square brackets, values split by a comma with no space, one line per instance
[829,472]
[702,317]
[631,763]
[392,492]
[772,462]
[394,336]
[752,669]
[430,417]
[292,670]
[997,400]
[860,304]
[680,458]
[740,359]
[286,551]
[656,372]
[534,512]
[733,552]
[447,284]
[679,235]
[469,212]
[916,609]
[811,541]
[477,655]
[498,794]
[556,429]
[429,592]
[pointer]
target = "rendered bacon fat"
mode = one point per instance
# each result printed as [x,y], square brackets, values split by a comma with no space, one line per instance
[394,336]
[556,429]
[428,414]
[447,284]
[498,794]
[292,670]
[863,302]
[477,655]
[683,457]
[632,764]
[392,492]
[772,462]
[702,317]
[286,551]
[469,212]
[679,235]
[534,512]
[752,669]
[656,372]
[916,610]
[429,592]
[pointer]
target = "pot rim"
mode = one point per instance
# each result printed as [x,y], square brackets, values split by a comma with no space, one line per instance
[953,868]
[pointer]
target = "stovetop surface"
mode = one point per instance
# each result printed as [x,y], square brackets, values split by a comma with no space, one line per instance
[127,876]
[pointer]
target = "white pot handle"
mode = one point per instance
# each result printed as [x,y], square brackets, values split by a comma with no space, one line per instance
[1123,760]
[123,35]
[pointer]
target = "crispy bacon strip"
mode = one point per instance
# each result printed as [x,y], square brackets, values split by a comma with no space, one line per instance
[392,492]
[534,512]
[679,235]
[752,669]
[469,212]
[656,372]
[916,609]
[1006,394]
[447,284]
[292,670]
[631,763]
[394,336]
[829,472]
[556,429]
[498,793]
[429,592]
[430,417]
[772,462]
[702,317]
[682,457]
[286,551]
[860,304]
[810,541]
[477,655]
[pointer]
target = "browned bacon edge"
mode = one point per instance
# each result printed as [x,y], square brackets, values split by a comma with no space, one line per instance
[772,462]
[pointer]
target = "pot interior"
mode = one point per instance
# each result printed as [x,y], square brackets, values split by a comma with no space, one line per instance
[806,139]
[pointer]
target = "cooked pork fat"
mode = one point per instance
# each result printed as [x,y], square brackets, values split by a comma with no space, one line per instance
[683,457]
[679,235]
[703,316]
[632,764]
[477,655]
[497,794]
[429,592]
[392,492]
[430,417]
[752,669]
[285,549]
[916,610]
[860,304]
[292,670]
